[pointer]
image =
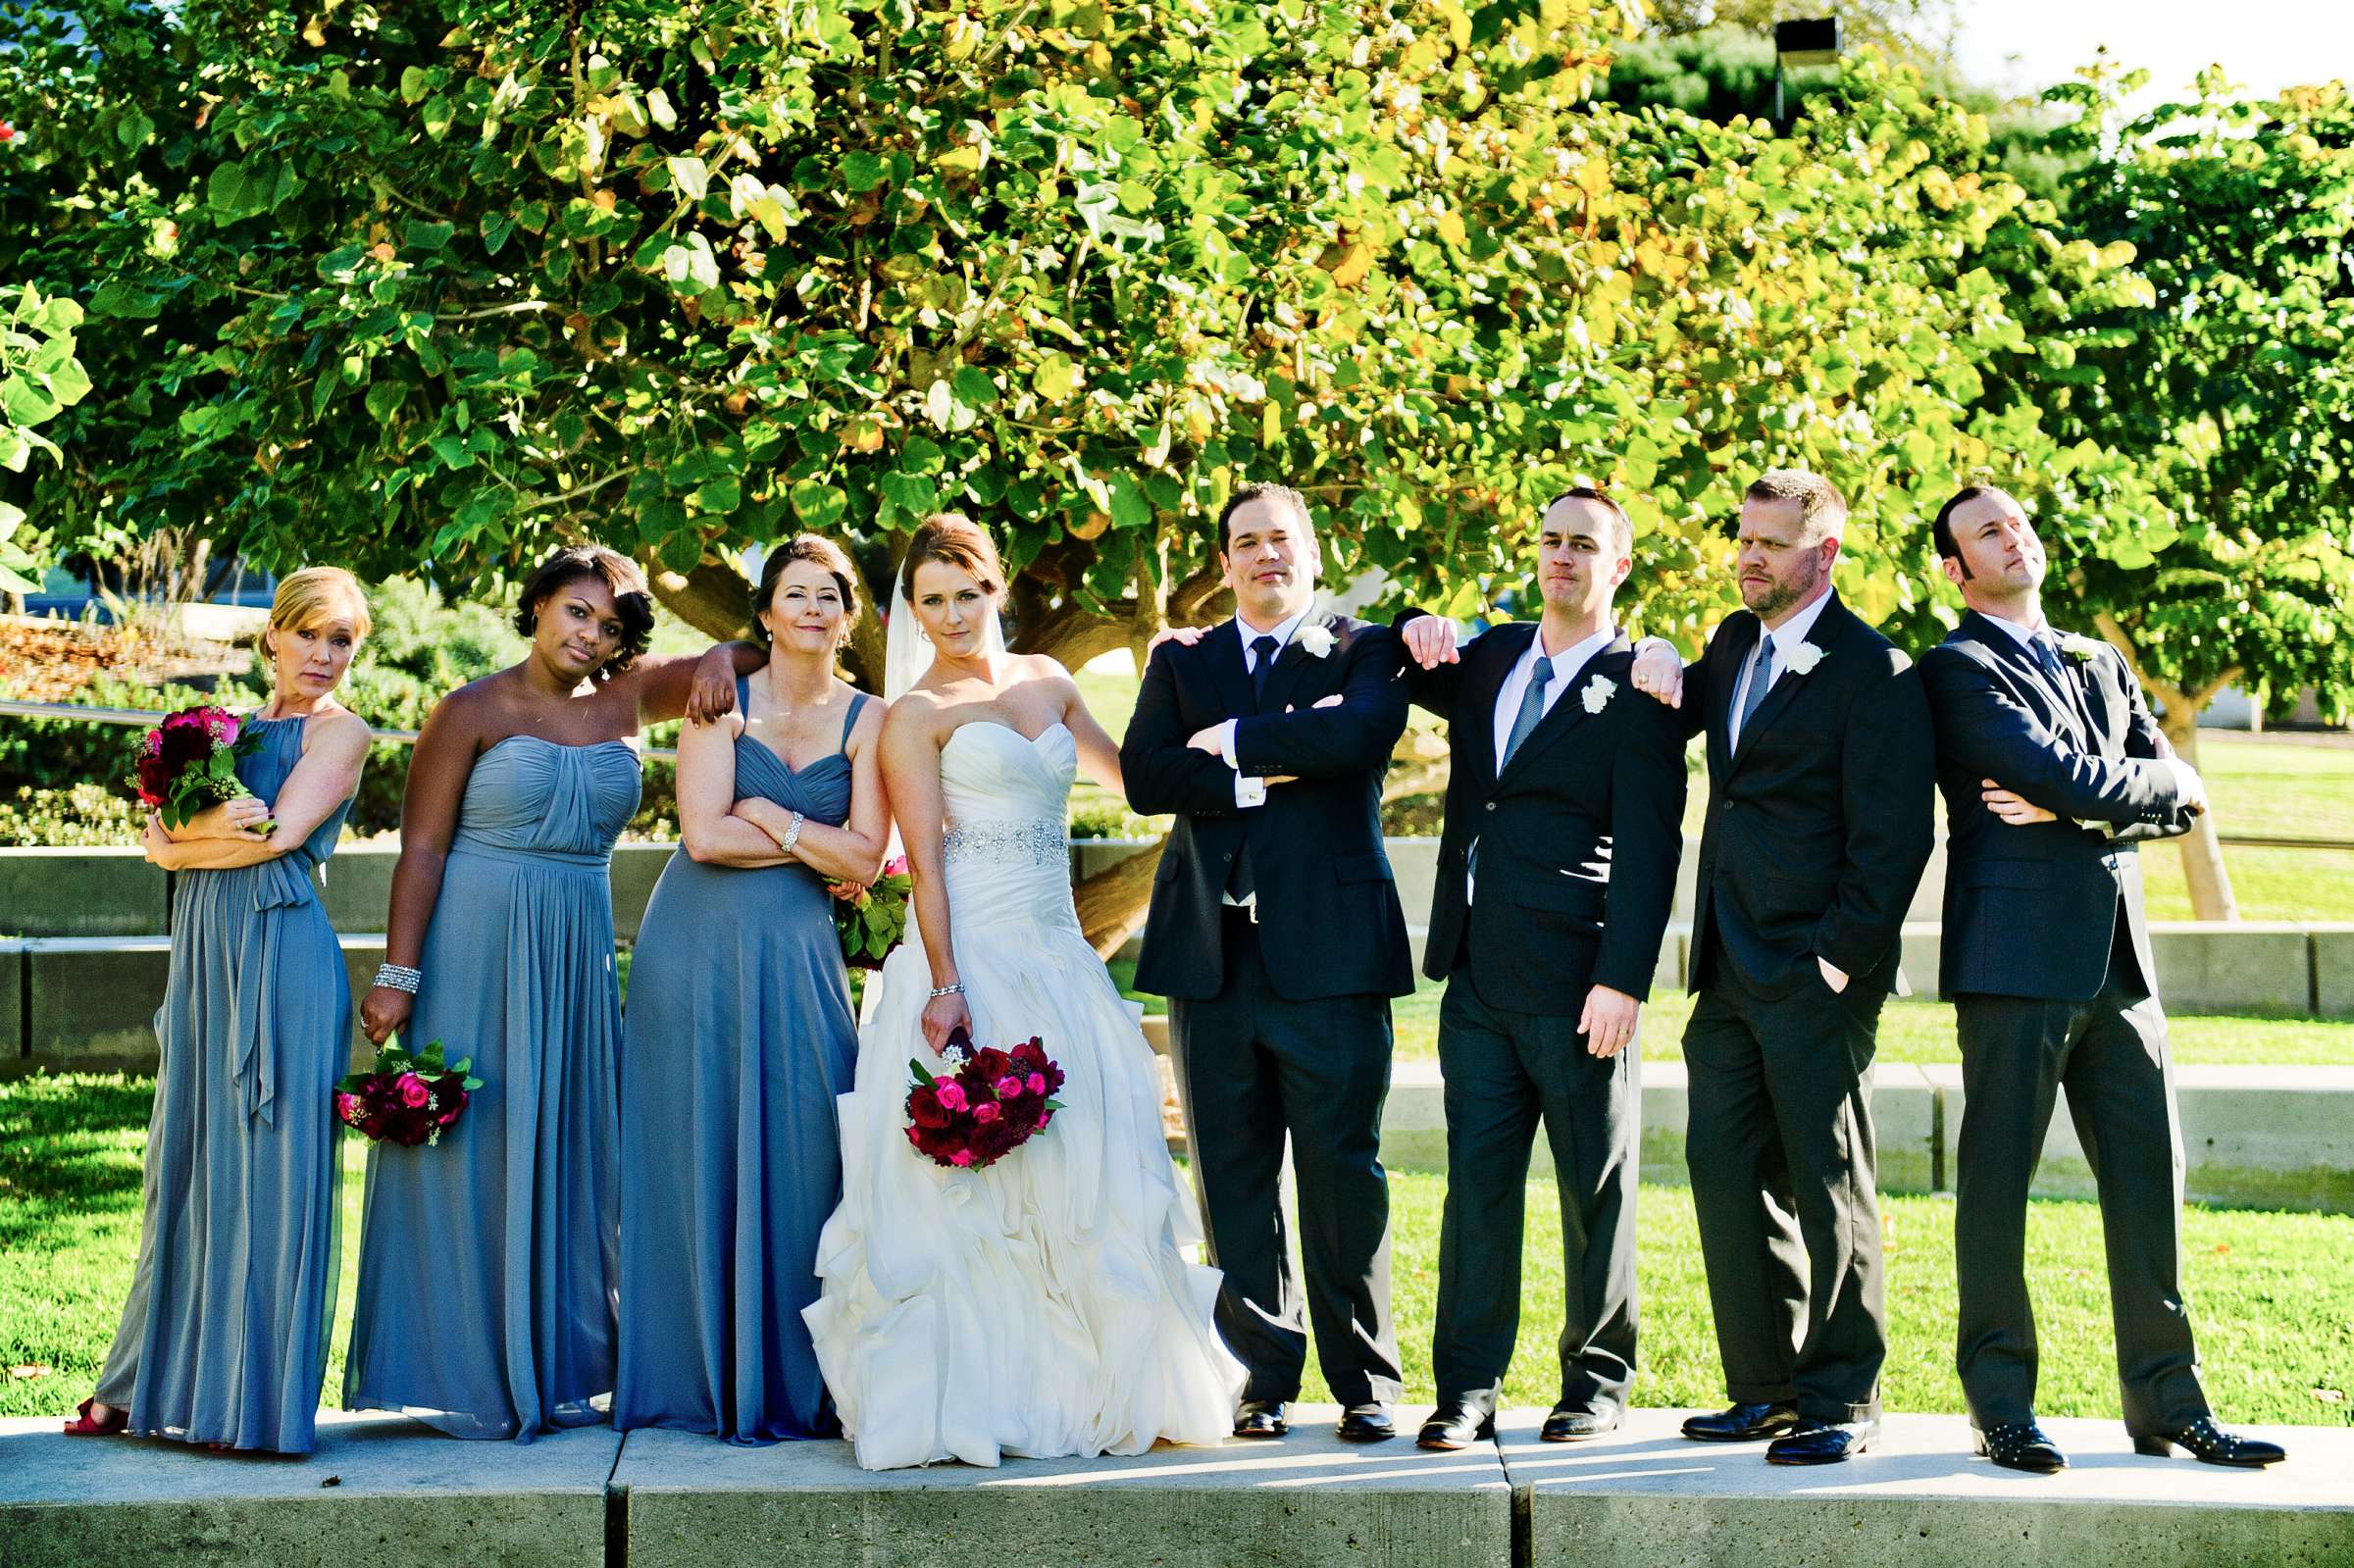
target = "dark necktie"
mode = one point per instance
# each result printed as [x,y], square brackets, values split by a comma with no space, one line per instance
[1532,709]
[1761,677]
[1262,660]
[2047,655]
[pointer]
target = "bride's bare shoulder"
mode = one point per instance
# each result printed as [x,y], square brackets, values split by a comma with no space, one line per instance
[916,712]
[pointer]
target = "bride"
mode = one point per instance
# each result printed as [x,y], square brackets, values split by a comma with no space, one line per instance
[1041,1306]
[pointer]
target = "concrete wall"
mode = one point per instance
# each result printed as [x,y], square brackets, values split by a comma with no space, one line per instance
[2252,1136]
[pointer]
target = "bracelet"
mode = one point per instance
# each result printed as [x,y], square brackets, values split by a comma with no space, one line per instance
[954,988]
[793,835]
[398,976]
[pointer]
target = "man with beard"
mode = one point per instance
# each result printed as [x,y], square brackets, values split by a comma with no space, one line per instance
[2052,768]
[1820,756]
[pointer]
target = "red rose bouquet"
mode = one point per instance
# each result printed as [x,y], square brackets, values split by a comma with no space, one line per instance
[871,920]
[189,761]
[406,1099]
[993,1106]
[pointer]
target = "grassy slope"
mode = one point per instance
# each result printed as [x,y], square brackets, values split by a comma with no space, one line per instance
[2276,1321]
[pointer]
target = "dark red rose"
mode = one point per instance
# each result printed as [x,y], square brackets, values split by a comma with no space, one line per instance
[990,1064]
[925,1109]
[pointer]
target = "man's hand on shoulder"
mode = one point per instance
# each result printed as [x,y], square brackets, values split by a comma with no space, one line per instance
[1659,671]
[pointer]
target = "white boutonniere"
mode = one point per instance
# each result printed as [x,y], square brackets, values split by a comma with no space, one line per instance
[1598,694]
[2078,648]
[1803,658]
[1315,640]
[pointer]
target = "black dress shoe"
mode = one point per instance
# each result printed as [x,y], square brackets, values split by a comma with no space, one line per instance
[1823,1442]
[1260,1418]
[1366,1423]
[1743,1423]
[2021,1446]
[1457,1423]
[1575,1423]
[2210,1443]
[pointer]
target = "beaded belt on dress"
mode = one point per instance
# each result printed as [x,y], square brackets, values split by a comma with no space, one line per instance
[1032,842]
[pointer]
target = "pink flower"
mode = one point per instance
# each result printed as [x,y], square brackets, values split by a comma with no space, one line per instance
[952,1095]
[985,1112]
[412,1091]
[963,1156]
[347,1107]
[1037,1083]
[1008,1088]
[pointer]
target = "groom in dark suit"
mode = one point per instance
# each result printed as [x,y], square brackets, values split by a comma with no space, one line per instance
[1820,822]
[2052,769]
[1275,934]
[1556,867]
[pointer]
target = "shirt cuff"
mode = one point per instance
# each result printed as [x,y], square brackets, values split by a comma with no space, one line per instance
[1249,792]
[1226,745]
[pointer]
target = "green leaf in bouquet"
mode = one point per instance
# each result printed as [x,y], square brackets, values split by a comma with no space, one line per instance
[923,1078]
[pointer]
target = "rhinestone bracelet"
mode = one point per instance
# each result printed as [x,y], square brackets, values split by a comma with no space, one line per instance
[954,988]
[398,976]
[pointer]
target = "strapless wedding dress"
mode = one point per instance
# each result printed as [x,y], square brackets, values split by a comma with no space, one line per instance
[1043,1306]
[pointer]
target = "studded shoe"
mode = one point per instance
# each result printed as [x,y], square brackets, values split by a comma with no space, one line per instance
[2021,1446]
[2212,1444]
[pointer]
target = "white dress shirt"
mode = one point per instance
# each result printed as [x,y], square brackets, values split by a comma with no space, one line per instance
[1786,638]
[1508,697]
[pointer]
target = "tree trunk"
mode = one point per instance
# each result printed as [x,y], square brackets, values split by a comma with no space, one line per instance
[714,598]
[2203,868]
[1111,903]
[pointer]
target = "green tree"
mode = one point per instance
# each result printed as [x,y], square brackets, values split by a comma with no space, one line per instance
[39,379]
[2233,382]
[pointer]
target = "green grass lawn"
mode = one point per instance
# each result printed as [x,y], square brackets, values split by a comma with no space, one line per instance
[2273,1303]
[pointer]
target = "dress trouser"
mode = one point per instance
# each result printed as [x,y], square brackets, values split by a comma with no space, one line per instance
[1504,1071]
[2111,1053]
[1780,1147]
[1253,1068]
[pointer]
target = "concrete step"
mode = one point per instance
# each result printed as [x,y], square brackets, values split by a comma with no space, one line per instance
[382,1488]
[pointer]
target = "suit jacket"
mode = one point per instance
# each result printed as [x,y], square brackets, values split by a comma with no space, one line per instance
[2031,911]
[1328,912]
[1578,835]
[1819,827]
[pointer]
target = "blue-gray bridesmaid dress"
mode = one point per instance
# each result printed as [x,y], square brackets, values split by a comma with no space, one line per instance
[738,1038]
[225,1336]
[487,1262]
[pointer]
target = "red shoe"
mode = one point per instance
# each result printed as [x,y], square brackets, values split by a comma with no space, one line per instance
[82,1426]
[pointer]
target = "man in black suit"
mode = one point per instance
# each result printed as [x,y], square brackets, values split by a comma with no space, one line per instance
[1820,821]
[1275,934]
[1556,869]
[2052,769]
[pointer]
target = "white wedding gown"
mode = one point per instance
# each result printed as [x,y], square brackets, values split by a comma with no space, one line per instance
[1041,1307]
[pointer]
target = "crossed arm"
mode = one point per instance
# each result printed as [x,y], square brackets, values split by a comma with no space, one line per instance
[225,836]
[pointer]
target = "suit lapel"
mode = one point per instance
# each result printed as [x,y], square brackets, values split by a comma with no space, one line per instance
[2067,711]
[1473,734]
[1823,635]
[1223,648]
[1294,657]
[1567,712]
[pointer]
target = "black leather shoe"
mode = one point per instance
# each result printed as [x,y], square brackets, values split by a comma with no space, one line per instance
[1575,1423]
[1824,1443]
[1366,1423]
[2021,1446]
[1743,1423]
[1260,1418]
[1457,1423]
[2208,1441]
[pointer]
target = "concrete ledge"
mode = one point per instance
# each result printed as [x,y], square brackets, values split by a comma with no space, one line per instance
[1304,1499]
[12,1002]
[384,1490]
[380,1490]
[1644,1497]
[92,1000]
[2333,970]
[2234,967]
[1904,1103]
[2255,1137]
[81,892]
